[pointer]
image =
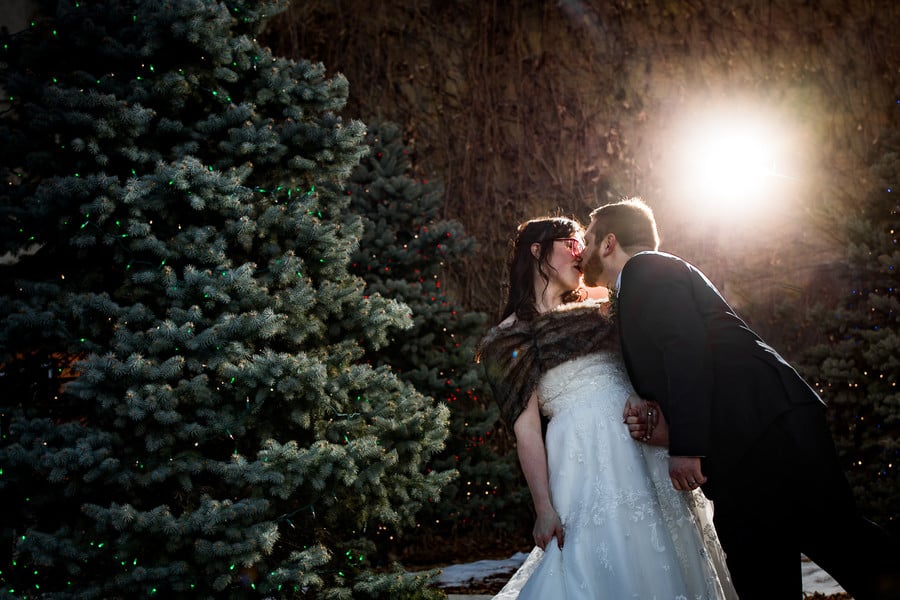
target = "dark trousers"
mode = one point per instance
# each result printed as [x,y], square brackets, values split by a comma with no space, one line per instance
[788,496]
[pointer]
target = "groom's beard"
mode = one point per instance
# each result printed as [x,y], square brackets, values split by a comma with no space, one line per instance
[592,270]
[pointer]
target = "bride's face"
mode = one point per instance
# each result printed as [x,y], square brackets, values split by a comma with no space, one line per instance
[565,262]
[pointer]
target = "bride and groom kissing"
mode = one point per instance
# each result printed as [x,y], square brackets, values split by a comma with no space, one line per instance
[621,519]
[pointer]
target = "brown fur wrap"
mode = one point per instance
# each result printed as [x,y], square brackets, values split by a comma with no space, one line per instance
[514,357]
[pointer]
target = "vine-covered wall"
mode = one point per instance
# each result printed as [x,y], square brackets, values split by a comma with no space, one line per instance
[530,107]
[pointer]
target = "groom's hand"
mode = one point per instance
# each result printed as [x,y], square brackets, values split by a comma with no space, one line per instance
[685,473]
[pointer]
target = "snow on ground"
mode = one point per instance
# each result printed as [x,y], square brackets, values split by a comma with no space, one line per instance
[817,580]
[474,572]
[814,578]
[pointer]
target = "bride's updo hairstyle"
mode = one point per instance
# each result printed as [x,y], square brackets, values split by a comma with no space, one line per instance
[521,300]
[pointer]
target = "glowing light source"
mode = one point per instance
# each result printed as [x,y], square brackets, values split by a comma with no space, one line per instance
[733,164]
[728,161]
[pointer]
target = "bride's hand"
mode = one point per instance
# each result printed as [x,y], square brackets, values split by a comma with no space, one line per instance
[646,422]
[547,526]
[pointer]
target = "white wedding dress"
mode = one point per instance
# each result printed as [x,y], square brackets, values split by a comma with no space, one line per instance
[628,532]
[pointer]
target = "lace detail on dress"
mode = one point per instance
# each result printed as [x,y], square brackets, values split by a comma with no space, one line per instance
[691,513]
[602,371]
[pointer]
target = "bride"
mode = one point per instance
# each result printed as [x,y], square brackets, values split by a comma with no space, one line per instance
[608,522]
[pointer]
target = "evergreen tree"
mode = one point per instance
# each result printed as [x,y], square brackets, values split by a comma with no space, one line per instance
[859,370]
[404,252]
[174,199]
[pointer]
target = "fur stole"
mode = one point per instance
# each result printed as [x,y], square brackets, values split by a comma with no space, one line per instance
[514,357]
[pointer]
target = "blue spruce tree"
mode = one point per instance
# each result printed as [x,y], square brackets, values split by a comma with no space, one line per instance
[406,251]
[188,408]
[858,370]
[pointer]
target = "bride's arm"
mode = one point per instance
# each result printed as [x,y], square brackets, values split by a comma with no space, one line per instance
[533,458]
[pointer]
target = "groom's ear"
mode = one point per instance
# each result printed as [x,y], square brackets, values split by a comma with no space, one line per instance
[609,244]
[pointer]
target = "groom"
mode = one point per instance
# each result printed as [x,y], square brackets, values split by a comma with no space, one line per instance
[742,423]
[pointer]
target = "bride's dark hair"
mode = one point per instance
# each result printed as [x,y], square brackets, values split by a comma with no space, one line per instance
[521,300]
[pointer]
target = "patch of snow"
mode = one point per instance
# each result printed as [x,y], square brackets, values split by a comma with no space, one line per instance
[468,573]
[817,580]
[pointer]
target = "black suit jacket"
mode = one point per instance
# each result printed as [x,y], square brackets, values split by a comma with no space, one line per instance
[718,384]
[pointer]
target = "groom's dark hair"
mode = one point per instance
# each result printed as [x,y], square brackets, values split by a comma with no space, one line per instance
[631,220]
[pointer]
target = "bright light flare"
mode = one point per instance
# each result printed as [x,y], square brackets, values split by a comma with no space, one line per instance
[729,164]
[733,164]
